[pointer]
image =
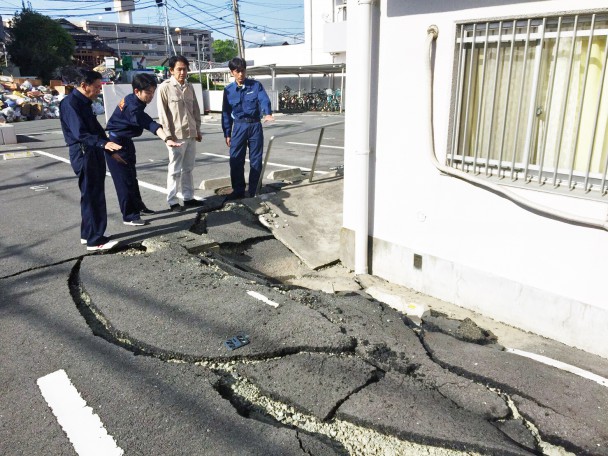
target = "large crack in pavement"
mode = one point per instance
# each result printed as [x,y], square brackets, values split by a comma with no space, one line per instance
[398,352]
[374,352]
[250,402]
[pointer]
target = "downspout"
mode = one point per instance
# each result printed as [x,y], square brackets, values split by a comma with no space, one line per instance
[432,34]
[361,138]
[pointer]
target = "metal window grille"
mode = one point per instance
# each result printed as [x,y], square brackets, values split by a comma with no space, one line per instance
[531,103]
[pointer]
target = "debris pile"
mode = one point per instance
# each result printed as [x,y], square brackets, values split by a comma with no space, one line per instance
[23,99]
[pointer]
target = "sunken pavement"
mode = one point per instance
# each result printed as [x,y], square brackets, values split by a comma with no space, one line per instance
[290,370]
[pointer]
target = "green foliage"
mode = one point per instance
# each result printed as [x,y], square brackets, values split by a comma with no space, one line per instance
[224,50]
[193,78]
[39,44]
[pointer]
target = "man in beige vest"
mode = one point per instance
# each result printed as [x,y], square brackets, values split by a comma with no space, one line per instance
[180,116]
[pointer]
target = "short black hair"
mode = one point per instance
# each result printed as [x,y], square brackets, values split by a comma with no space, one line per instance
[86,76]
[237,63]
[178,58]
[142,81]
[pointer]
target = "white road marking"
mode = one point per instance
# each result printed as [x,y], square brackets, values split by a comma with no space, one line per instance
[40,133]
[560,365]
[262,298]
[269,163]
[83,427]
[141,183]
[163,189]
[56,157]
[314,145]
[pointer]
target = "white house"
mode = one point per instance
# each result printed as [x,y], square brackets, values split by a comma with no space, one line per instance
[492,193]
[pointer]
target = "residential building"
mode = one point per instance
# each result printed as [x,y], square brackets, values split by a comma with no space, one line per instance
[89,51]
[149,42]
[476,162]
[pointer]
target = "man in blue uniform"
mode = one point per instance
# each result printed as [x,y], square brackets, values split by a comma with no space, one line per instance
[127,122]
[88,145]
[245,101]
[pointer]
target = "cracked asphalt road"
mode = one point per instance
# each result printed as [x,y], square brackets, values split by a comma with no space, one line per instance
[140,332]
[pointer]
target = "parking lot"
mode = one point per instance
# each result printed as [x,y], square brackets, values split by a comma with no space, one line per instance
[44,137]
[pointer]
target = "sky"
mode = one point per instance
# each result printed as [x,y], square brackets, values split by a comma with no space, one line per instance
[262,20]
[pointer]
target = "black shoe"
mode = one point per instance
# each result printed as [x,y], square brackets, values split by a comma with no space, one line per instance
[176,207]
[146,211]
[193,203]
[235,196]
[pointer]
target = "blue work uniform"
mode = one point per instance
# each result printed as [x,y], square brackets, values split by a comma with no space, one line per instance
[86,140]
[242,108]
[128,121]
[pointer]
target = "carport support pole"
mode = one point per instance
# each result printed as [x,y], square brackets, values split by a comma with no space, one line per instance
[342,90]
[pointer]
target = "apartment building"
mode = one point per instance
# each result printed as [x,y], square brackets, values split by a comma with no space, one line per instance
[149,42]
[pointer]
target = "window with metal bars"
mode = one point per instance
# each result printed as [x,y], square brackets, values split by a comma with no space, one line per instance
[531,103]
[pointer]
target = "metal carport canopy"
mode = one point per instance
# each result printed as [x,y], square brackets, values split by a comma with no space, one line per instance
[259,70]
[324,68]
[274,70]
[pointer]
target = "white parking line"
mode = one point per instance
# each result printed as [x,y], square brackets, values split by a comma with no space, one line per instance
[56,157]
[281,165]
[163,189]
[83,427]
[141,183]
[560,365]
[262,298]
[314,145]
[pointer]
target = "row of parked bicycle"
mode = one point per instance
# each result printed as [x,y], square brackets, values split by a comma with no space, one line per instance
[327,100]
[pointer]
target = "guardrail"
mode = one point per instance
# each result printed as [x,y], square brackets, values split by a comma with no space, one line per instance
[291,133]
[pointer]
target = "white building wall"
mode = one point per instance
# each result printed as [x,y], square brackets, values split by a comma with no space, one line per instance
[478,249]
[312,52]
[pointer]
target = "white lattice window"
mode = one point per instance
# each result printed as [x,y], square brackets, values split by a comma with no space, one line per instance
[531,102]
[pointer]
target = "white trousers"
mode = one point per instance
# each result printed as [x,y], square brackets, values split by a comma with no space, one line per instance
[179,174]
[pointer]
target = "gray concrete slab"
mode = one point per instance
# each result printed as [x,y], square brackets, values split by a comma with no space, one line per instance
[169,302]
[402,406]
[578,421]
[386,342]
[307,219]
[312,382]
[234,224]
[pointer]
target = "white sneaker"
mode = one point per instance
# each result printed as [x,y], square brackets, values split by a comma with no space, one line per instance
[136,222]
[84,241]
[107,246]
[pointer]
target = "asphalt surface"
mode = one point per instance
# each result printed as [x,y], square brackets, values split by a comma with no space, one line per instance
[141,332]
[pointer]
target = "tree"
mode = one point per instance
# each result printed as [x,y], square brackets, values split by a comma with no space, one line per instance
[39,44]
[224,50]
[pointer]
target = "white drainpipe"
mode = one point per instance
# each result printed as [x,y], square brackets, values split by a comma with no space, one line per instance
[361,131]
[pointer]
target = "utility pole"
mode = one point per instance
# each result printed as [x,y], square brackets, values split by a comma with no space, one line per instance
[198,53]
[168,32]
[238,30]
[117,42]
